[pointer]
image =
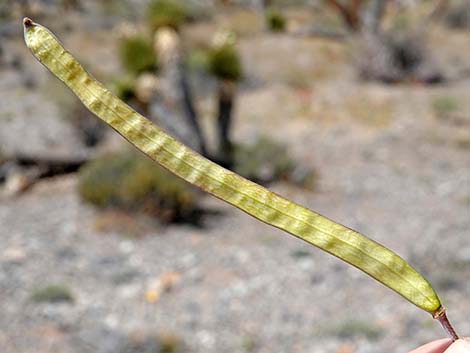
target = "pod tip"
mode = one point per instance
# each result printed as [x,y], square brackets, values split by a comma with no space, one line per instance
[27,22]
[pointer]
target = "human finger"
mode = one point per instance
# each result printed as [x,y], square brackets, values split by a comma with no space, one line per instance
[438,346]
[459,346]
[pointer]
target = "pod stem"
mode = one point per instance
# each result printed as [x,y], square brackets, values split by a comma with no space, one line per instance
[441,316]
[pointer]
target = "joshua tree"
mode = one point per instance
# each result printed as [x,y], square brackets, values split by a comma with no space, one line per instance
[167,96]
[387,55]
[174,94]
[224,64]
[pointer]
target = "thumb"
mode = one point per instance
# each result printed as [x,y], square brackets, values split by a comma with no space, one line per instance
[438,346]
[459,346]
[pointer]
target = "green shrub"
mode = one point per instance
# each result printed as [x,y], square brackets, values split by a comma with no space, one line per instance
[198,60]
[149,342]
[458,17]
[224,63]
[124,88]
[137,55]
[199,11]
[263,161]
[275,21]
[445,105]
[52,293]
[169,342]
[133,182]
[463,142]
[166,13]
[249,344]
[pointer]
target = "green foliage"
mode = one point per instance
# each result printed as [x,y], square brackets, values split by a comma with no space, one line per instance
[137,55]
[124,88]
[249,344]
[463,143]
[275,21]
[149,342]
[52,293]
[445,105]
[265,160]
[458,17]
[5,11]
[131,181]
[300,254]
[166,13]
[87,128]
[224,63]
[169,342]
[198,60]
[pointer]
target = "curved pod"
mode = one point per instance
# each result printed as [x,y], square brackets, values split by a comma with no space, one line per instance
[350,246]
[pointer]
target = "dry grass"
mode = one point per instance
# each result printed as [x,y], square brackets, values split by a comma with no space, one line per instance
[242,22]
[371,111]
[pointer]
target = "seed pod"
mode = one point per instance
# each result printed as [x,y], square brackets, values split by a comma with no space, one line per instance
[350,246]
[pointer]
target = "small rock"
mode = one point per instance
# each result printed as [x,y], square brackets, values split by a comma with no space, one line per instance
[163,283]
[14,254]
[345,349]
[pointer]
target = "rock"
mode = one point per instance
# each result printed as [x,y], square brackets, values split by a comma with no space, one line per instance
[14,254]
[163,283]
[19,181]
[345,349]
[146,87]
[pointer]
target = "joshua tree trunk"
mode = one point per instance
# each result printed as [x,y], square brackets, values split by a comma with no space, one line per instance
[226,96]
[173,105]
[439,9]
[350,13]
[372,17]
[188,106]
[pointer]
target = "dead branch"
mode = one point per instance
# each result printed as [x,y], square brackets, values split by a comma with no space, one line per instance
[349,14]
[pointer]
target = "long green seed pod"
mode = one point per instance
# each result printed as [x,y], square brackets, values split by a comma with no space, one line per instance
[348,245]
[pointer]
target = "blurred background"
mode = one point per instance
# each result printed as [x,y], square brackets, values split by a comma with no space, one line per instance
[357,109]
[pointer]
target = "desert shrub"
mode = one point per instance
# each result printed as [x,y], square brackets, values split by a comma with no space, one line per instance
[169,342]
[137,55]
[149,342]
[275,21]
[263,161]
[90,130]
[249,344]
[397,57]
[3,167]
[458,17]
[445,105]
[224,62]
[198,60]
[133,182]
[52,293]
[463,143]
[124,88]
[198,11]
[166,13]
[5,11]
